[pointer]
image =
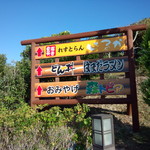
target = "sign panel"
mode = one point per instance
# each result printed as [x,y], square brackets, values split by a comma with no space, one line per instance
[82,67]
[83,88]
[81,47]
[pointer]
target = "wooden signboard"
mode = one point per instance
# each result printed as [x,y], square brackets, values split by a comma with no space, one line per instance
[73,92]
[81,48]
[82,67]
[83,88]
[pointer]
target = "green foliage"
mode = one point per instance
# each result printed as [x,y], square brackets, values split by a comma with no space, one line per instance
[15,79]
[25,68]
[26,128]
[11,83]
[2,64]
[144,61]
[58,34]
[61,33]
[26,54]
[143,21]
[139,37]
[145,88]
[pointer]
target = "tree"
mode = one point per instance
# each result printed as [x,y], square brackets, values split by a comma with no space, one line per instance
[2,64]
[144,61]
[14,79]
[12,85]
[138,36]
[24,66]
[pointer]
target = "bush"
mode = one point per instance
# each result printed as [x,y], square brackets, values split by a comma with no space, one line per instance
[26,128]
[145,88]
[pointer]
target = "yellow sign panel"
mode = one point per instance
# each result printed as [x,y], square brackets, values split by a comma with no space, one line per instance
[81,47]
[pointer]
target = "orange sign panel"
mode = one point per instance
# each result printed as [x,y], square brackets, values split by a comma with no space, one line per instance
[83,88]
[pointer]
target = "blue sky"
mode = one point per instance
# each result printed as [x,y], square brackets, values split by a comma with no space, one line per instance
[31,19]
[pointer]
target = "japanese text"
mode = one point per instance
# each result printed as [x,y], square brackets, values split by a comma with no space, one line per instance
[60,70]
[64,89]
[101,66]
[70,49]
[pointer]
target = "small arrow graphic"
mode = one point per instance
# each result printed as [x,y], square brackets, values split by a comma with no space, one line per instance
[39,90]
[39,71]
[39,52]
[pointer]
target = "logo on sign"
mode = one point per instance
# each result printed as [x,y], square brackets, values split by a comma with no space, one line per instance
[51,50]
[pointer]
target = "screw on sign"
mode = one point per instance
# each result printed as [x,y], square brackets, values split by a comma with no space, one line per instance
[39,52]
[51,50]
[39,71]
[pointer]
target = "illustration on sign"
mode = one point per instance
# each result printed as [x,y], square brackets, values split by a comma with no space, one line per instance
[60,69]
[101,66]
[107,44]
[65,89]
[82,47]
[96,88]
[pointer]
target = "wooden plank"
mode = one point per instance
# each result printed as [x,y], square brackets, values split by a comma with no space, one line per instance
[33,79]
[79,76]
[134,105]
[83,88]
[101,55]
[82,67]
[86,34]
[81,47]
[85,101]
[57,78]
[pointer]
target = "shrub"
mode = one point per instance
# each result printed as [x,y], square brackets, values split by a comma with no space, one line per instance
[26,128]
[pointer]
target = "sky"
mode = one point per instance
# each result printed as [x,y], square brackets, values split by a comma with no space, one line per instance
[32,19]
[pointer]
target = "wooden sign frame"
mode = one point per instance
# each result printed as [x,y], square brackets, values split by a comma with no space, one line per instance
[131,95]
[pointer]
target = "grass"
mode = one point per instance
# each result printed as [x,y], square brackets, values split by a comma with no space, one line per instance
[125,138]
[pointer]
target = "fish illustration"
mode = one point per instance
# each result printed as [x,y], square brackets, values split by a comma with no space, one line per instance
[89,47]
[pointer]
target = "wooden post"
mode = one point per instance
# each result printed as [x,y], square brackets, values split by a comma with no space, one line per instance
[33,79]
[78,77]
[129,106]
[102,75]
[78,58]
[135,117]
[101,55]
[57,78]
